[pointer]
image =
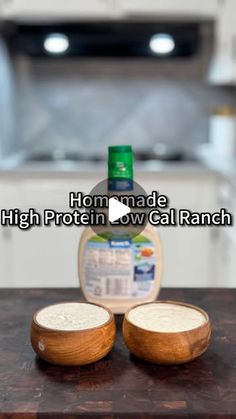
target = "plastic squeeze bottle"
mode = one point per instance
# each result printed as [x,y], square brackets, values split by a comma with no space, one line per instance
[116,272]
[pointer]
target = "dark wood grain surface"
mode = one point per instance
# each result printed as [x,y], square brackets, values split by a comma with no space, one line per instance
[119,386]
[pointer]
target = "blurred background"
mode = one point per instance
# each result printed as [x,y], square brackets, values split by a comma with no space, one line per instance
[78,76]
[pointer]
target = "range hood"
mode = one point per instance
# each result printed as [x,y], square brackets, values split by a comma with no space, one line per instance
[106,39]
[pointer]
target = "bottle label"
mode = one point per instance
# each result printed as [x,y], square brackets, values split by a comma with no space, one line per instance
[120,268]
[120,185]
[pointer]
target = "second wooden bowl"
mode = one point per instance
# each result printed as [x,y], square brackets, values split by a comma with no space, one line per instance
[166,347]
[59,345]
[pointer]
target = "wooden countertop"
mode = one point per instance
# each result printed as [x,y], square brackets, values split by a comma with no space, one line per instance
[119,386]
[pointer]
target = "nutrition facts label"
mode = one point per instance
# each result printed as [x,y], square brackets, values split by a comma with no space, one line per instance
[115,268]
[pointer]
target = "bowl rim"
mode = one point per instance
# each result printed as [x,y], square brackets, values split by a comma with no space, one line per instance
[182,303]
[110,320]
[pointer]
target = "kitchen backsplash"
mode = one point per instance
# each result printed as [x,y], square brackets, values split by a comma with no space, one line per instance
[87,104]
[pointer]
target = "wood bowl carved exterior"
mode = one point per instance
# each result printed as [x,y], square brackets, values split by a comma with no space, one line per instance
[167,347]
[73,347]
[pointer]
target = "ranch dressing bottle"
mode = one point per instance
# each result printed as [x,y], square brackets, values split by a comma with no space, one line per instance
[120,274]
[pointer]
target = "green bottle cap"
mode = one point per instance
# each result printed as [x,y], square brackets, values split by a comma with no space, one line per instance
[120,162]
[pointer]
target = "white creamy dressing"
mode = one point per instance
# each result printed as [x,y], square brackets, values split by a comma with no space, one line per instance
[166,317]
[72,316]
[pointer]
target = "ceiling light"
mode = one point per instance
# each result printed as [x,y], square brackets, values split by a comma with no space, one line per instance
[162,44]
[56,43]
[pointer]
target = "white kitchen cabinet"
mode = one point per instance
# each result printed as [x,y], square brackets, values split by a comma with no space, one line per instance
[78,9]
[4,255]
[223,260]
[186,250]
[192,8]
[223,247]
[47,256]
[42,256]
[223,64]
[55,9]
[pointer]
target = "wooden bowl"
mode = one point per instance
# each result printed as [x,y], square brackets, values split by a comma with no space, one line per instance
[72,347]
[162,347]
